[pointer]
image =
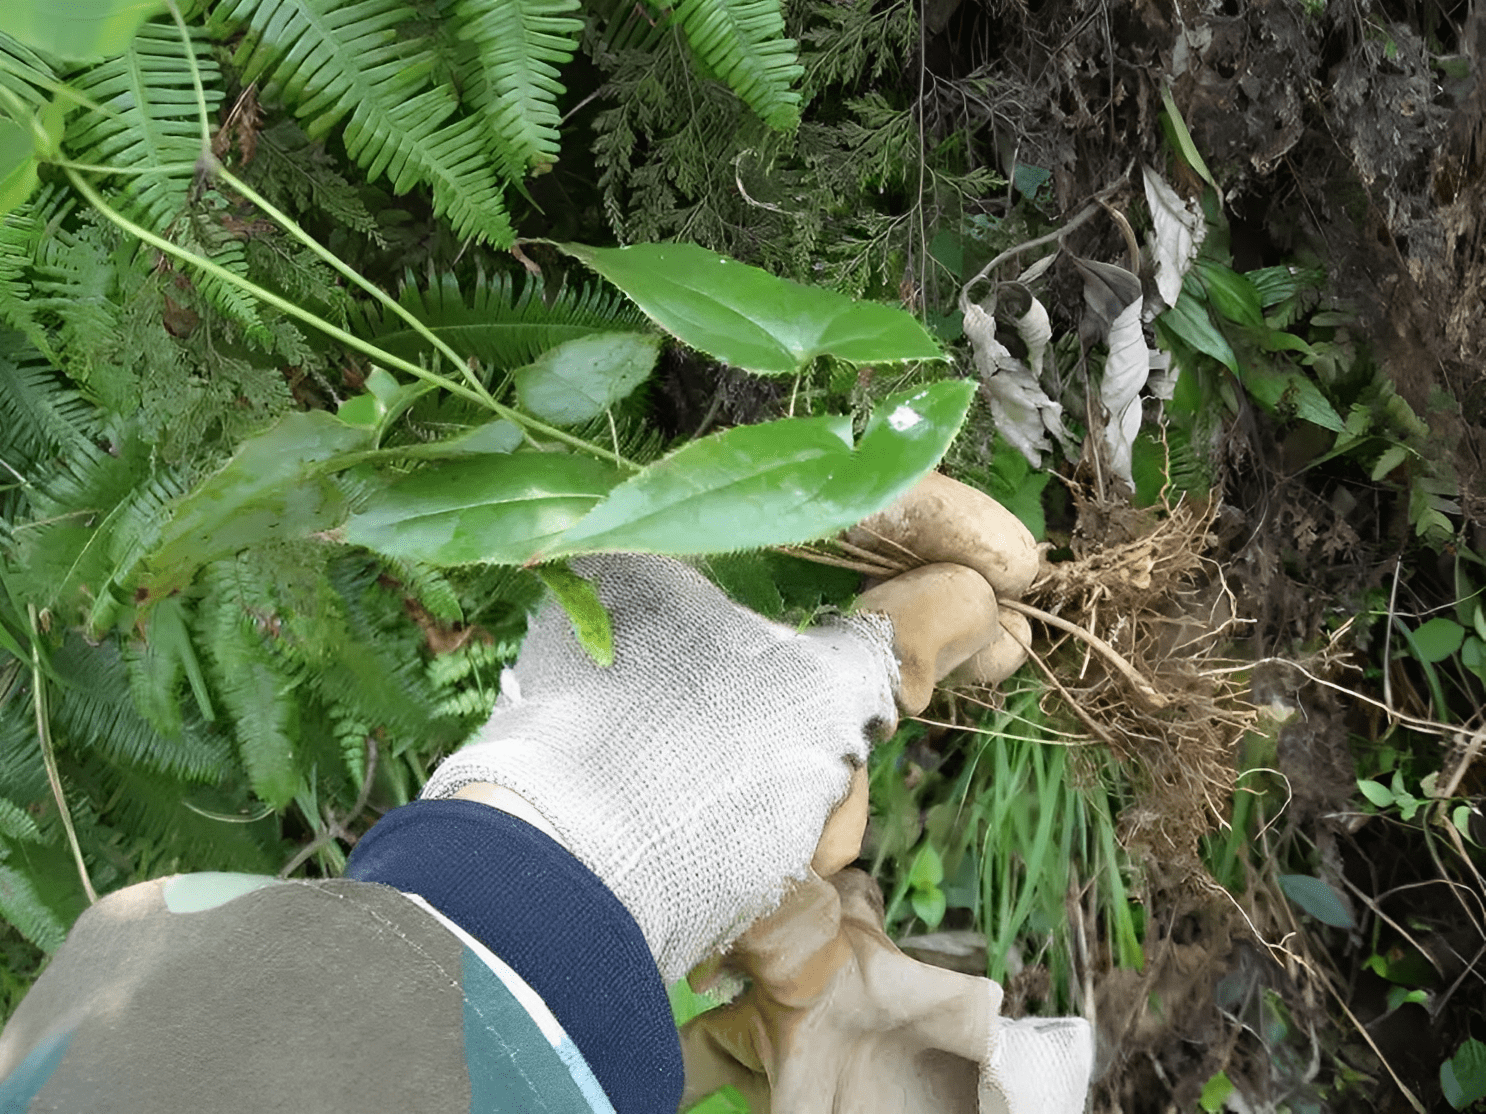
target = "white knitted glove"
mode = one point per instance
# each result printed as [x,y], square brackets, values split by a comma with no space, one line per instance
[695,774]
[1037,1065]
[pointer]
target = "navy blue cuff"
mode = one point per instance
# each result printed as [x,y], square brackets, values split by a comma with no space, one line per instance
[528,900]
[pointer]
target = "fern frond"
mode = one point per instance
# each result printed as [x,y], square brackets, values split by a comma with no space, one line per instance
[38,413]
[412,147]
[168,835]
[740,42]
[330,63]
[227,299]
[519,44]
[22,70]
[98,714]
[499,323]
[155,120]
[22,232]
[22,906]
[73,279]
[16,823]
[257,692]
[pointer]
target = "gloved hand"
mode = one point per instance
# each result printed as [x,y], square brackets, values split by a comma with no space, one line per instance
[837,1018]
[696,774]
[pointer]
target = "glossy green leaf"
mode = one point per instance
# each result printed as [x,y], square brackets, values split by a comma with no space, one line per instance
[778,483]
[1190,321]
[1463,1075]
[271,490]
[1232,295]
[1437,639]
[1316,898]
[747,317]
[500,508]
[580,599]
[76,29]
[1291,392]
[582,378]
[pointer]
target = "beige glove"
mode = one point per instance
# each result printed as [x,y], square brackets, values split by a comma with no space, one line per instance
[946,621]
[838,1019]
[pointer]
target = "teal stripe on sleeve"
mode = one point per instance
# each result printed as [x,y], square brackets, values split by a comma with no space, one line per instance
[513,1067]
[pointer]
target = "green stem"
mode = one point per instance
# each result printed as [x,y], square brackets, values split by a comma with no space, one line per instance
[283,305]
[350,273]
[49,757]
[92,168]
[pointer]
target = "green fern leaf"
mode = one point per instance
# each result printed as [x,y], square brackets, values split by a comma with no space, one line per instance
[153,119]
[24,72]
[37,413]
[23,907]
[519,45]
[740,42]
[258,696]
[331,62]
[22,232]
[97,713]
[499,323]
[16,823]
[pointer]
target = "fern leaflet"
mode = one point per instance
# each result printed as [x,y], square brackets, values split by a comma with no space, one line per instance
[519,45]
[154,122]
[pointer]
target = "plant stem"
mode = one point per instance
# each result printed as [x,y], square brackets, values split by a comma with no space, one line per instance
[49,757]
[288,225]
[201,113]
[220,273]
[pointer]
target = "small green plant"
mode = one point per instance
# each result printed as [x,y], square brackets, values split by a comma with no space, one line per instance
[1463,1075]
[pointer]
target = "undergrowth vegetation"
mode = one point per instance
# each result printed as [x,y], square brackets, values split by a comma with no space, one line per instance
[310,380]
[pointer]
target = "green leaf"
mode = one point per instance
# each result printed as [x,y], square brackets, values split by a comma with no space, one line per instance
[580,599]
[1473,655]
[499,436]
[501,508]
[1437,639]
[1190,322]
[1392,457]
[927,870]
[1182,140]
[1460,816]
[1317,898]
[1463,1075]
[1232,295]
[76,29]
[928,905]
[1215,1093]
[1402,995]
[747,317]
[1376,792]
[724,1100]
[24,908]
[18,178]
[1285,391]
[274,489]
[582,378]
[778,483]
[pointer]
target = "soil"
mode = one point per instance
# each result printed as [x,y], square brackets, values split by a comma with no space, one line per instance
[1352,133]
